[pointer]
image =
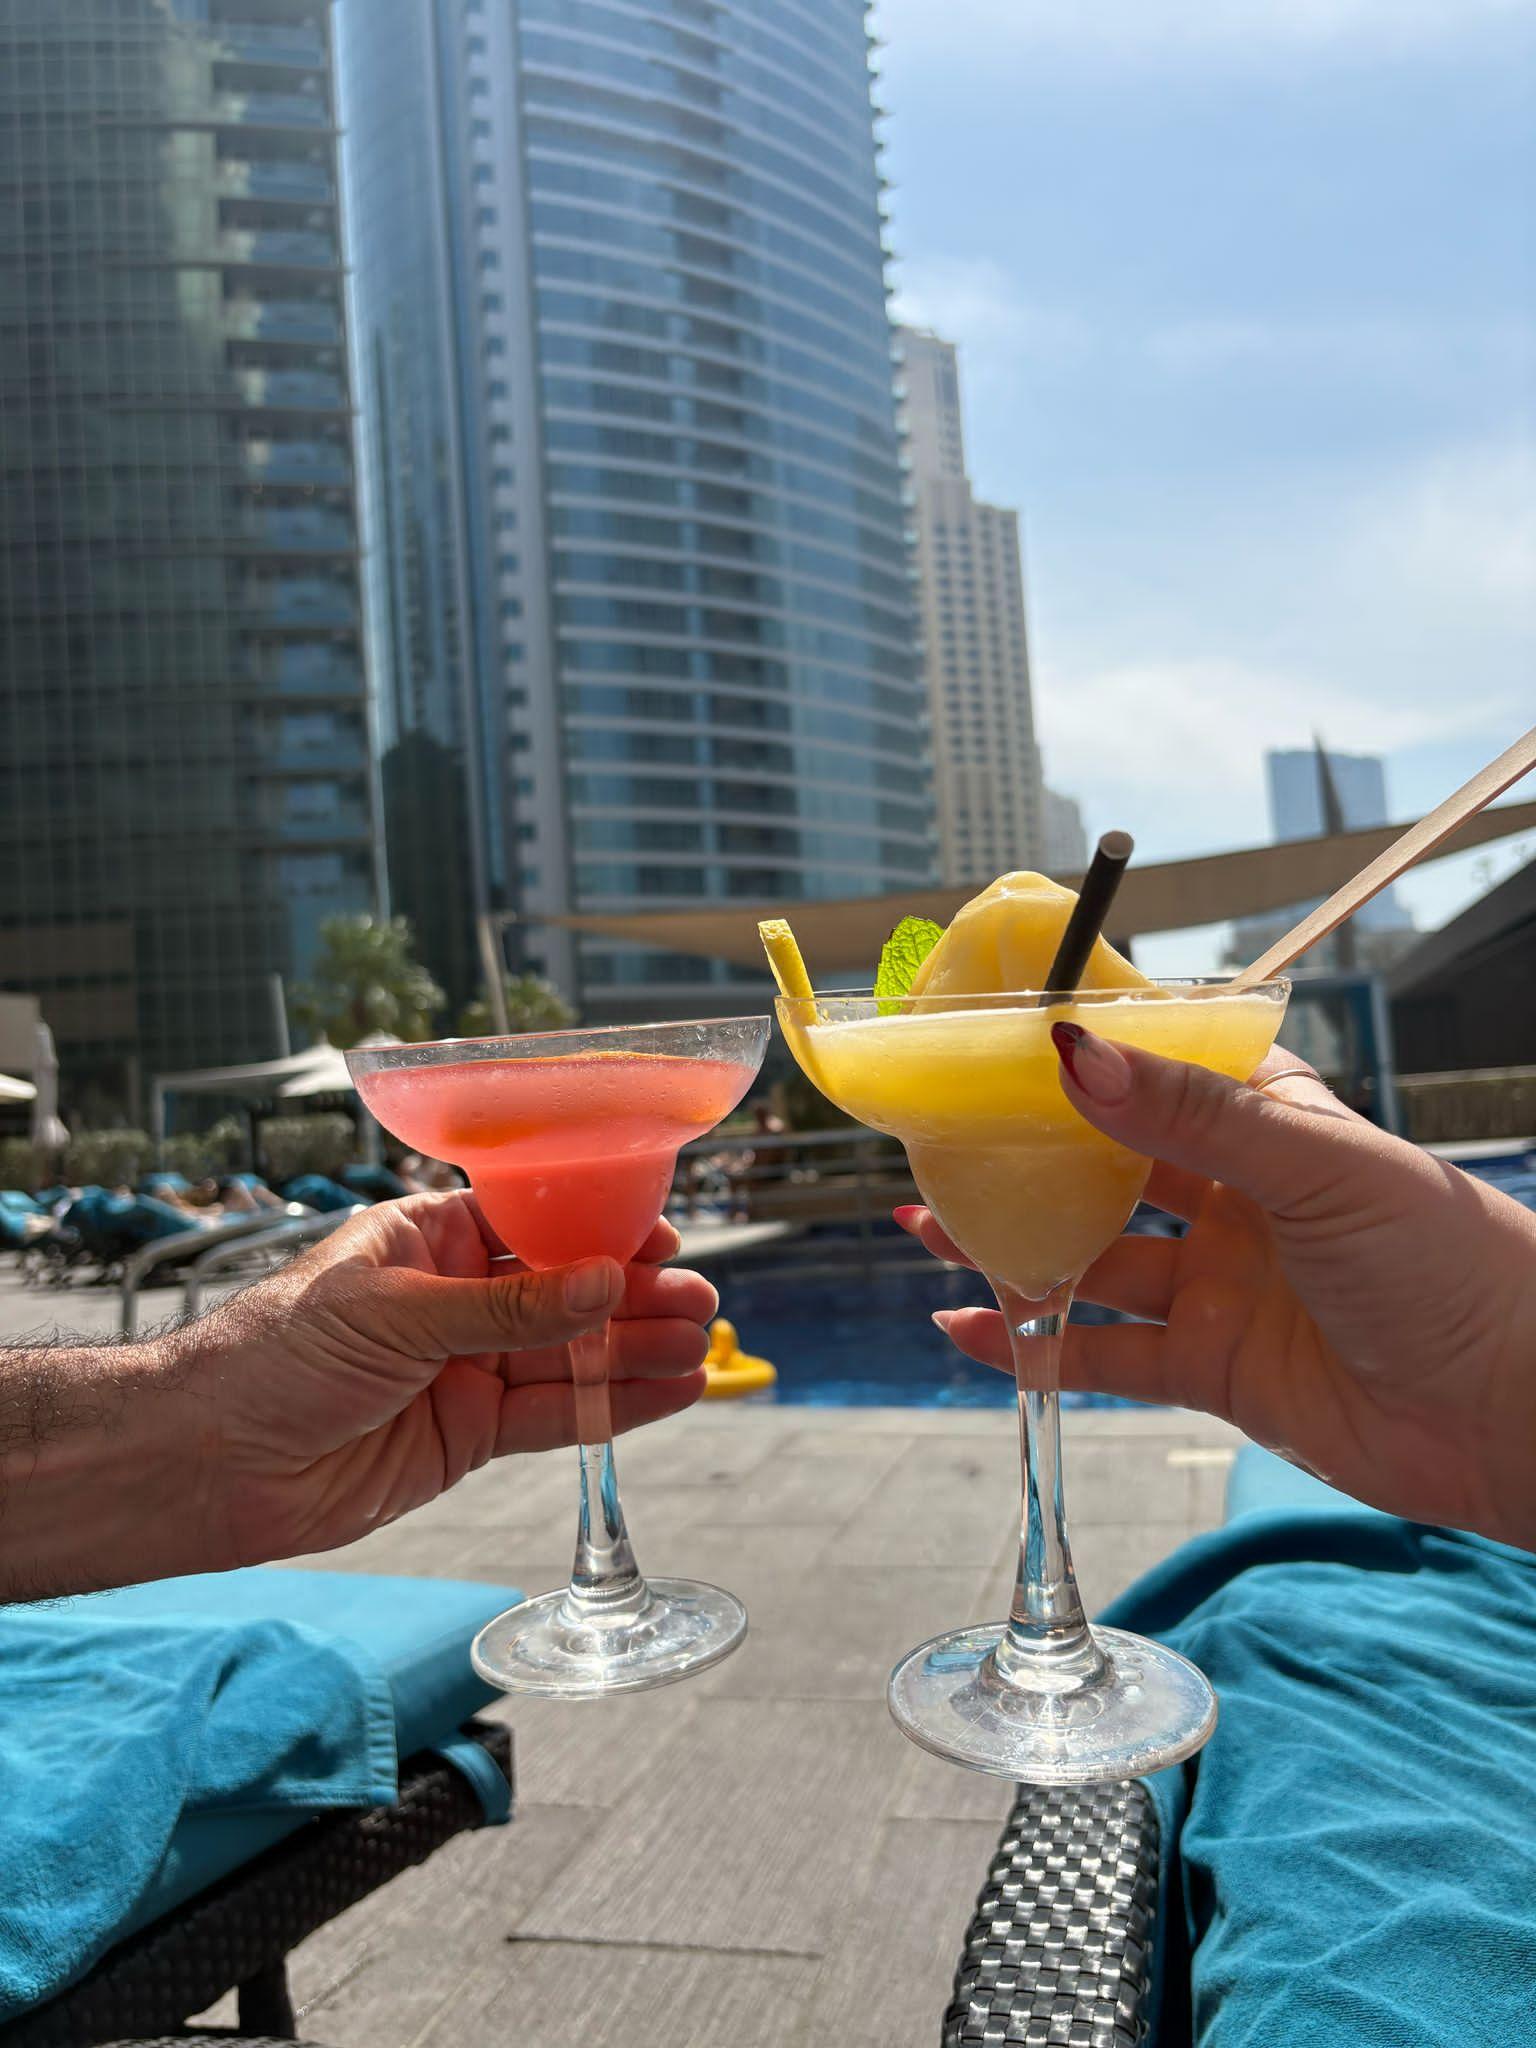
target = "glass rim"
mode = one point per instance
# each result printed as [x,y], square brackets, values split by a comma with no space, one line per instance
[1034,998]
[385,1055]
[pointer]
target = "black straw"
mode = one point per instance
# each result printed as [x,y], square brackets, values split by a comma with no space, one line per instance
[1092,908]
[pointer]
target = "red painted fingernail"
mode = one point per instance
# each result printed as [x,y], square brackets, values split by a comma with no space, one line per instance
[1098,1068]
[1067,1038]
[905,1214]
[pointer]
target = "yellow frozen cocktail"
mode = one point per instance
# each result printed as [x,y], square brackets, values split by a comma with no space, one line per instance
[951,1052]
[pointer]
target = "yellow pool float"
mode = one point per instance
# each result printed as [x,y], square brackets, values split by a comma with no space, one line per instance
[731,1372]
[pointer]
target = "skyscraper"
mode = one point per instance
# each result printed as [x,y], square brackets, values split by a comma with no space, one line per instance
[636,496]
[1302,791]
[1066,837]
[991,800]
[184,763]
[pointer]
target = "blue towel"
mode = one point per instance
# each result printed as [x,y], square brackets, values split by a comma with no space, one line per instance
[315,1191]
[1351,1863]
[112,1729]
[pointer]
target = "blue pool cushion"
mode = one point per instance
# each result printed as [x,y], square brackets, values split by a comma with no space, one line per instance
[316,1191]
[386,1665]
[1261,1483]
[1351,1862]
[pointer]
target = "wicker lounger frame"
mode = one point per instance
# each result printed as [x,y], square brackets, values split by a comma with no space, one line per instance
[237,1935]
[1060,1948]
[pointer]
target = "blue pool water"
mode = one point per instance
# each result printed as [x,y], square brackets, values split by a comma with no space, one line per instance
[862,1338]
[865,1341]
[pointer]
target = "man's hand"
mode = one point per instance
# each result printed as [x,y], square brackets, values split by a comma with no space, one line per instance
[405,1351]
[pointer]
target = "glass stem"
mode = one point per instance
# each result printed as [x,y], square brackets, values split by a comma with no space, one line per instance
[1047,1644]
[605,1580]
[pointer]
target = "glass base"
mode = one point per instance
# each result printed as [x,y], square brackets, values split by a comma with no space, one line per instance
[548,1647]
[1147,1708]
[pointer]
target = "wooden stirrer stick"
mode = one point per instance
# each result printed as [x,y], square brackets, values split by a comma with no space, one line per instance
[1417,841]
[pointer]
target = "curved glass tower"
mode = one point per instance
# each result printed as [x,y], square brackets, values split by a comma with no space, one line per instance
[185,778]
[666,552]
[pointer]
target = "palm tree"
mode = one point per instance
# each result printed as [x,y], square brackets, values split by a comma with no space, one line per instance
[533,1004]
[367,978]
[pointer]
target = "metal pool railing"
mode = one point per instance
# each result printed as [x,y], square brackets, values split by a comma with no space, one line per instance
[850,1177]
[208,1250]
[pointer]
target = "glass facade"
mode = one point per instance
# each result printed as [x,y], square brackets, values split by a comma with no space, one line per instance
[185,767]
[676,558]
[441,708]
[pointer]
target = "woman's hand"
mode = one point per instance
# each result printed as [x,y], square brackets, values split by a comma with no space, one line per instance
[1362,1308]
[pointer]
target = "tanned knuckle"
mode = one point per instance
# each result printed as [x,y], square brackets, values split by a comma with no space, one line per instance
[522,1309]
[1194,1104]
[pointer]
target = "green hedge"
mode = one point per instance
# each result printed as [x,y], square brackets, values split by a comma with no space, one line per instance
[291,1145]
[21,1165]
[107,1159]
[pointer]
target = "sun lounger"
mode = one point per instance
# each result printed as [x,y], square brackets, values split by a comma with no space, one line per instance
[239,1885]
[1348,1860]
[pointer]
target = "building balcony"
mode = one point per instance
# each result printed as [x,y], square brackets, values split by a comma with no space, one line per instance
[293,390]
[269,110]
[280,178]
[278,248]
[296,462]
[317,320]
[302,672]
[285,45]
[344,824]
[300,530]
[287,763]
[298,604]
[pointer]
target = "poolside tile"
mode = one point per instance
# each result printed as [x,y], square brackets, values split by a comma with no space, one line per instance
[887,1975]
[927,1788]
[1110,1556]
[839,1639]
[383,1970]
[945,1503]
[588,1995]
[596,1753]
[791,1489]
[750,1834]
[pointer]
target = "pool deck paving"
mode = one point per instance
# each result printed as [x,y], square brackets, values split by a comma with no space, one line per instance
[756,1855]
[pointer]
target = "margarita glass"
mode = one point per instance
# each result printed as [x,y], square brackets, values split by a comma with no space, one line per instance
[570,1141]
[1032,1194]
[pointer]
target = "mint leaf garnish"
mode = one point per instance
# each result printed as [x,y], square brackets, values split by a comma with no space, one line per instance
[900,958]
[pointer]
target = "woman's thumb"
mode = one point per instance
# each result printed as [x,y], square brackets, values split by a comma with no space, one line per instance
[1279,1155]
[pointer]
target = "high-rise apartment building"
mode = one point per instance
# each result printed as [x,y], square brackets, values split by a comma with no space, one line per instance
[1066,837]
[1304,785]
[990,796]
[185,782]
[637,508]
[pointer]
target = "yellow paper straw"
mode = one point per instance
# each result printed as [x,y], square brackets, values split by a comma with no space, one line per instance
[784,958]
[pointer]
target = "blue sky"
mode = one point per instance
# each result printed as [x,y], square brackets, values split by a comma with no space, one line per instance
[1246,297]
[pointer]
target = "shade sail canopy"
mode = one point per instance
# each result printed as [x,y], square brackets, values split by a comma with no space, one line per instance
[1163,896]
[259,1082]
[329,1076]
[318,1070]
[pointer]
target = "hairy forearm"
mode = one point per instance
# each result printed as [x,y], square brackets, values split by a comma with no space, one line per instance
[104,1468]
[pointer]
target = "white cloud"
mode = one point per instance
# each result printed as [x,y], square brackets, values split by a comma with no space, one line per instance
[1458,531]
[1412,624]
[1121,28]
[1173,749]
[973,300]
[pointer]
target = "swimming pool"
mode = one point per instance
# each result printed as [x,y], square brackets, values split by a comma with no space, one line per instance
[864,1340]
[861,1337]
